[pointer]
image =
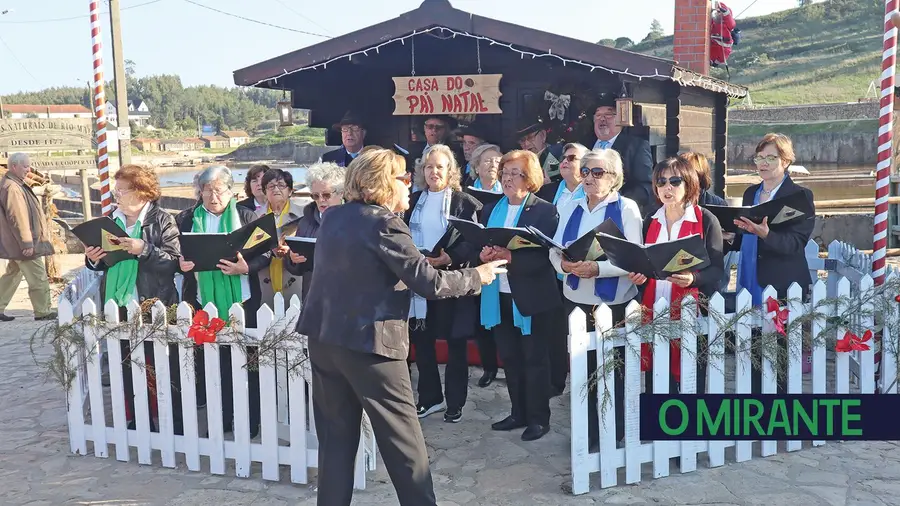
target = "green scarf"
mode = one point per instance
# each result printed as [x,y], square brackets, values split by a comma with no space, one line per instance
[122,277]
[220,289]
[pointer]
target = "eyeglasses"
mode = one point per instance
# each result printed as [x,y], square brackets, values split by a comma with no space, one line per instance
[350,130]
[758,160]
[218,193]
[405,178]
[118,192]
[321,196]
[277,186]
[675,181]
[571,158]
[510,174]
[597,172]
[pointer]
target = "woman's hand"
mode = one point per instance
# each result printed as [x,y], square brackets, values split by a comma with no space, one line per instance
[132,246]
[95,254]
[502,254]
[281,250]
[297,259]
[760,230]
[184,265]
[487,254]
[440,260]
[683,280]
[637,279]
[234,268]
[568,267]
[489,271]
[586,270]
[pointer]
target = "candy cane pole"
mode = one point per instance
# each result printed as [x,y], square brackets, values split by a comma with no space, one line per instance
[100,109]
[885,141]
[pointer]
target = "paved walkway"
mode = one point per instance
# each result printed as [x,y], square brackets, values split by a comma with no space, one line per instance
[471,465]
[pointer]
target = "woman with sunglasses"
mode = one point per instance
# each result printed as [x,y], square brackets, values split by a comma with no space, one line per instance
[326,188]
[590,283]
[776,256]
[678,188]
[519,306]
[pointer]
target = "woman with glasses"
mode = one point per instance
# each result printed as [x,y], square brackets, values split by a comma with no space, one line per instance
[590,283]
[276,278]
[326,187]
[486,160]
[234,283]
[450,319]
[255,195]
[519,306]
[678,188]
[773,256]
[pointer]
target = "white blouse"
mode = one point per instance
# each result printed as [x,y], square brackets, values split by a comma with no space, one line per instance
[511,214]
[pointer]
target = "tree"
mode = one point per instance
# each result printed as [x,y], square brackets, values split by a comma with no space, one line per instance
[656,31]
[607,42]
[623,43]
[804,3]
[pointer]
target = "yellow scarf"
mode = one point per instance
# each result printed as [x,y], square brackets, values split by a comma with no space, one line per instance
[276,267]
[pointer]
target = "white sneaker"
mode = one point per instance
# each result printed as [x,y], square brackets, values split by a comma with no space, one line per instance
[423,411]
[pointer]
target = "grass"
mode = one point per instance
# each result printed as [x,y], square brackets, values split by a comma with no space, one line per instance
[791,129]
[822,53]
[297,134]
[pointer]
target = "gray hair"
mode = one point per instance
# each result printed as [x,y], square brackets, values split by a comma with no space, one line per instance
[611,161]
[580,149]
[477,153]
[327,173]
[19,160]
[210,175]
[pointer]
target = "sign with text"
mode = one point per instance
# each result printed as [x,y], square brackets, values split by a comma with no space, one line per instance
[62,163]
[68,134]
[455,94]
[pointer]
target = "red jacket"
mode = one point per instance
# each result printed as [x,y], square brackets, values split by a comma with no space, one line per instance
[721,25]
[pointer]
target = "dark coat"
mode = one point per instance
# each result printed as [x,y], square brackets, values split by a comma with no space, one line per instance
[708,198]
[189,289]
[339,156]
[637,169]
[308,226]
[457,317]
[158,262]
[359,298]
[247,203]
[781,256]
[708,279]
[532,279]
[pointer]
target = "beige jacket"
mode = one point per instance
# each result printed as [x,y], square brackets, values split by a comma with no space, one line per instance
[22,224]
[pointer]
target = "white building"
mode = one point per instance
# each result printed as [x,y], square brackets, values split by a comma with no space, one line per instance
[138,111]
[22,111]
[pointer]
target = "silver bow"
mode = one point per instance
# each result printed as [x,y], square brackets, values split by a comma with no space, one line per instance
[558,104]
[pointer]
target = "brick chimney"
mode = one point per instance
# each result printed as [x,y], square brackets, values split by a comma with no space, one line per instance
[692,18]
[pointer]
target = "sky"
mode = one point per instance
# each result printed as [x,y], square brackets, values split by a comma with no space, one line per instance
[39,50]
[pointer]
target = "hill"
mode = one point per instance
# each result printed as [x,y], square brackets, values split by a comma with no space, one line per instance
[820,53]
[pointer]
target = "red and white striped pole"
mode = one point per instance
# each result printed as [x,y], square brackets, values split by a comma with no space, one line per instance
[885,141]
[100,109]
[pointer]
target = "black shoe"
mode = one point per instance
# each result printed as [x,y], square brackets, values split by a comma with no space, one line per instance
[423,410]
[534,432]
[508,423]
[6,318]
[487,378]
[453,415]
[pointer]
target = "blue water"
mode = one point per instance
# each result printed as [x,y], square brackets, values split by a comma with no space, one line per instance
[239,172]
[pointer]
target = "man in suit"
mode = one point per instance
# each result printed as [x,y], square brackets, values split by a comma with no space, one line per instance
[353,138]
[637,161]
[438,130]
[532,136]
[472,136]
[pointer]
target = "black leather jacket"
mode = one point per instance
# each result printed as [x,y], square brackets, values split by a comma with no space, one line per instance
[158,263]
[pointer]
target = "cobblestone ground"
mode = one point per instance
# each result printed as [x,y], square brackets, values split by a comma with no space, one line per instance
[471,465]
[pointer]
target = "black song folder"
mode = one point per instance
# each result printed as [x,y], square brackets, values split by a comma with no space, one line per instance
[512,238]
[251,240]
[656,261]
[303,246]
[449,237]
[104,233]
[486,197]
[780,210]
[586,247]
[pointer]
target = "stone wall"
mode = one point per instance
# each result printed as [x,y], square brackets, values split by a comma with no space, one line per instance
[827,147]
[299,153]
[805,113]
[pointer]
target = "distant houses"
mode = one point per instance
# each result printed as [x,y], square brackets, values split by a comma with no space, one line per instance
[236,138]
[216,142]
[146,145]
[23,111]
[138,111]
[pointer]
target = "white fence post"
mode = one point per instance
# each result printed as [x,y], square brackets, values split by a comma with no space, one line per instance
[578,399]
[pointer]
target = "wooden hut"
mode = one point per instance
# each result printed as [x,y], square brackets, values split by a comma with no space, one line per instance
[374,72]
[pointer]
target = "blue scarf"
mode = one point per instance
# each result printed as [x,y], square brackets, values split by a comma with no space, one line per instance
[604,288]
[577,194]
[497,188]
[490,294]
[747,266]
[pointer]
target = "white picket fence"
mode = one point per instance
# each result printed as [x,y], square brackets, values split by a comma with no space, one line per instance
[287,435]
[831,373]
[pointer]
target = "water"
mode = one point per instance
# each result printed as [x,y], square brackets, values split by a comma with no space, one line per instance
[238,171]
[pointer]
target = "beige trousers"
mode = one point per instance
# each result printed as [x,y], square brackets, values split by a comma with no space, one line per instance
[35,274]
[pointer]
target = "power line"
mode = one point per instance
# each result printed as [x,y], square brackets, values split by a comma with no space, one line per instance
[255,20]
[18,61]
[288,7]
[70,18]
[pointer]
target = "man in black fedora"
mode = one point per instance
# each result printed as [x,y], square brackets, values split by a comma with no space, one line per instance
[532,136]
[353,138]
[637,162]
[471,136]
[438,130]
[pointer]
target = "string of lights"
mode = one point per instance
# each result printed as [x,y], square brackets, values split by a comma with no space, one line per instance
[264,23]
[682,77]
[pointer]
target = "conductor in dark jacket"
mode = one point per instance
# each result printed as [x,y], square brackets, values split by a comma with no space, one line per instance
[356,322]
[637,161]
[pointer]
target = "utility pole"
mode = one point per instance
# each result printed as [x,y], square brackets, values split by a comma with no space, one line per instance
[85,185]
[124,130]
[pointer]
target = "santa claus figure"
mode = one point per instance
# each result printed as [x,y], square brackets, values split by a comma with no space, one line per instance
[721,40]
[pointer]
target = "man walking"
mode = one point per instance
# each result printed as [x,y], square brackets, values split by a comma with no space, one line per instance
[24,241]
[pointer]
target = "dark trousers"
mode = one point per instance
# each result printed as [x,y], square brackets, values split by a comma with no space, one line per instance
[487,349]
[345,382]
[558,342]
[527,364]
[456,373]
[618,314]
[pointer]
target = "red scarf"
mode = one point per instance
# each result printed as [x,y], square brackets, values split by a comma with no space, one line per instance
[688,228]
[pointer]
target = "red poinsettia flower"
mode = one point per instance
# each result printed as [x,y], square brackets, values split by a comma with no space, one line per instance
[852,342]
[203,330]
[780,315]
